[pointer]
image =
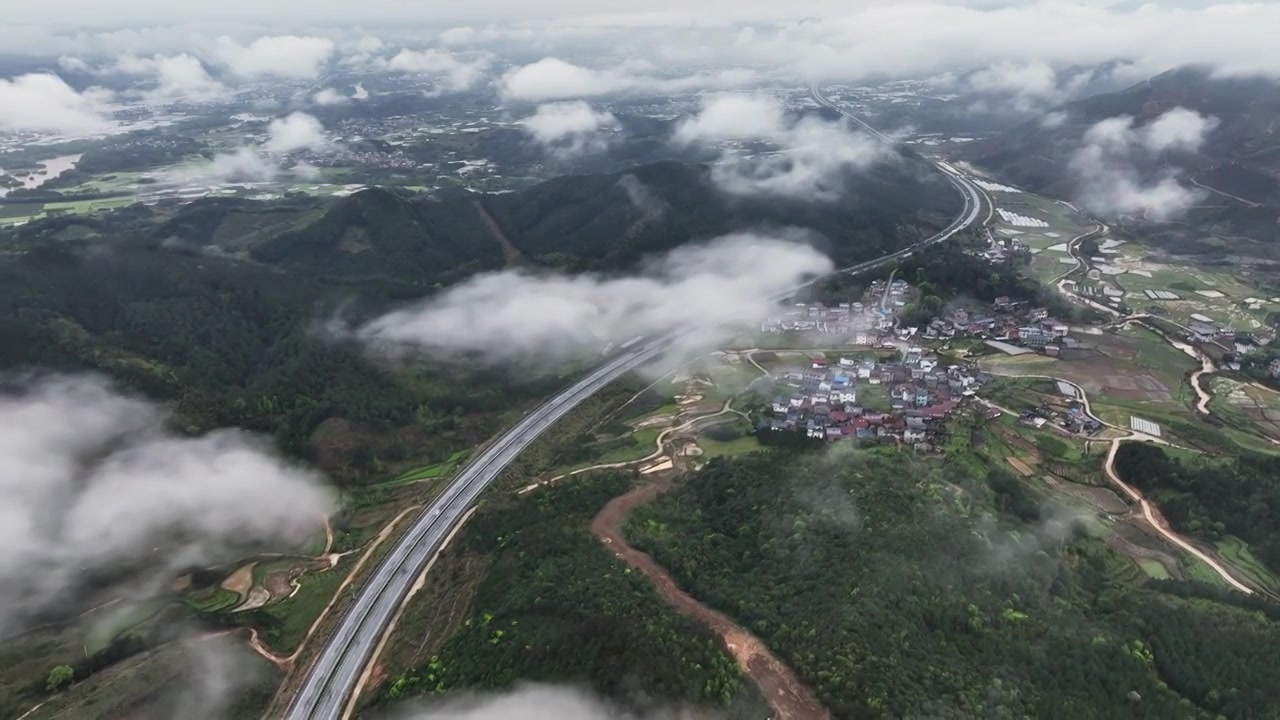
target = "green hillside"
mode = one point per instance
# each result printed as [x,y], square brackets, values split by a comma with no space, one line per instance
[214,306]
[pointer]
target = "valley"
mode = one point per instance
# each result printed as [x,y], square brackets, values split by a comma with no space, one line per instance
[742,362]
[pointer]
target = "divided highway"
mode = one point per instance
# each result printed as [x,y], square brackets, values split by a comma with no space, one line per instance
[324,693]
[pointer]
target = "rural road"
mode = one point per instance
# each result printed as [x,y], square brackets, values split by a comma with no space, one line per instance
[1159,523]
[1153,517]
[325,692]
[661,439]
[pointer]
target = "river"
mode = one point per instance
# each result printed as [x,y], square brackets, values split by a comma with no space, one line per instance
[51,169]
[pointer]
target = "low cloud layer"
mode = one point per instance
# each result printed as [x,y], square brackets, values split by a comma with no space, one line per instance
[451,72]
[93,481]
[824,40]
[813,155]
[297,131]
[277,56]
[531,702]
[174,77]
[569,128]
[555,79]
[543,319]
[42,102]
[1107,165]
[1025,86]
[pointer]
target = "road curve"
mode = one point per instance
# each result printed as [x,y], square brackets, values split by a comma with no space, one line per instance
[336,671]
[1160,525]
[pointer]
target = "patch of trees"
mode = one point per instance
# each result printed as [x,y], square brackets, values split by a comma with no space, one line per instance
[1210,499]
[948,271]
[233,344]
[558,607]
[138,154]
[899,587]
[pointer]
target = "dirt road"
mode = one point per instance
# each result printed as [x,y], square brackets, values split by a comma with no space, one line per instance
[786,695]
[657,453]
[1158,522]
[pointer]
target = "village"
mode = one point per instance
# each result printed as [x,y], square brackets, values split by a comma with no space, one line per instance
[904,397]
[870,399]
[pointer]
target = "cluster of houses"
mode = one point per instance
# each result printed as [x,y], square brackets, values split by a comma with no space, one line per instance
[1006,324]
[1069,416]
[868,320]
[832,401]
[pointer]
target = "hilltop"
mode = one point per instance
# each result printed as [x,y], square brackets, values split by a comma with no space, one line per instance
[1238,167]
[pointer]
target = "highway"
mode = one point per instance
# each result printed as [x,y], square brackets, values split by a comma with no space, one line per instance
[335,673]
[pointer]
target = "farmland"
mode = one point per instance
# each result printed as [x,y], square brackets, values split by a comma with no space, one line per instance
[1130,370]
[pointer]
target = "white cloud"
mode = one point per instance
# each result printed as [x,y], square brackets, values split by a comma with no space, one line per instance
[177,77]
[1054,119]
[454,73]
[555,79]
[360,93]
[1109,180]
[569,128]
[297,131]
[73,64]
[836,40]
[329,96]
[531,702]
[280,56]
[43,102]
[1178,129]
[1029,85]
[244,164]
[542,319]
[813,155]
[640,196]
[93,481]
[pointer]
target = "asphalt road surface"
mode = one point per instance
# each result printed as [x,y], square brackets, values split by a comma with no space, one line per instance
[337,669]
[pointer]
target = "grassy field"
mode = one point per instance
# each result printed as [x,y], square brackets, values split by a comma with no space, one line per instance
[1154,569]
[1048,245]
[1245,405]
[430,472]
[212,599]
[294,616]
[1235,283]
[1134,372]
[131,620]
[1236,552]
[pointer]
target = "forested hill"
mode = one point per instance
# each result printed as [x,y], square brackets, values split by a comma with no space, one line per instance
[1238,165]
[213,305]
[575,222]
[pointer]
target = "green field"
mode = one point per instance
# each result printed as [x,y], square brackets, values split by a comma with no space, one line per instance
[430,472]
[116,623]
[716,448]
[1236,552]
[1154,569]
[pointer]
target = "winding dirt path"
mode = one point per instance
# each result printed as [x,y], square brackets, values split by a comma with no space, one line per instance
[1157,521]
[657,453]
[1149,512]
[286,662]
[786,695]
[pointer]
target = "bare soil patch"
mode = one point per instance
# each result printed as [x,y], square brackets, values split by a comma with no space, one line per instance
[240,581]
[1021,467]
[786,694]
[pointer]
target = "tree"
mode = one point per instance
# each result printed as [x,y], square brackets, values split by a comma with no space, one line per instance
[59,677]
